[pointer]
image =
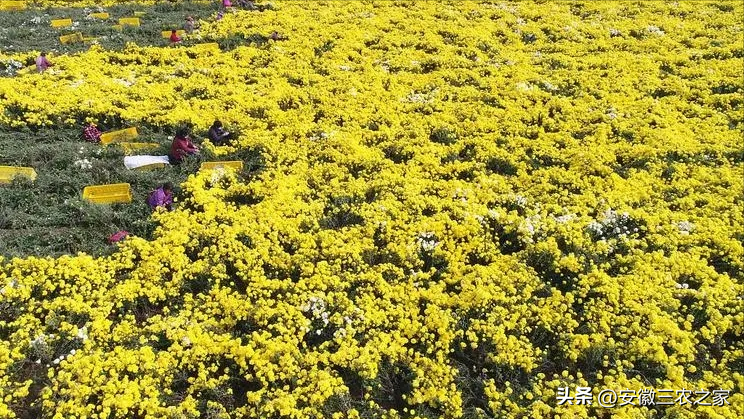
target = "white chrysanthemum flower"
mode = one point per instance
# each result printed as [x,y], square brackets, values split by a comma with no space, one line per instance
[524,87]
[38,342]
[595,227]
[83,164]
[685,227]
[217,174]
[82,333]
[563,219]
[654,30]
[520,201]
[427,241]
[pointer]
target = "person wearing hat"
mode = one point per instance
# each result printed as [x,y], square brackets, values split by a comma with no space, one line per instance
[190,26]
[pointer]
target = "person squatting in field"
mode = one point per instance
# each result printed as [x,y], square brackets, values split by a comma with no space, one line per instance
[190,25]
[218,135]
[161,197]
[181,147]
[91,133]
[42,63]
[174,38]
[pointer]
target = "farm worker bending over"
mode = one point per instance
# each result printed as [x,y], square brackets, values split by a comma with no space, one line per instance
[276,36]
[161,197]
[190,25]
[217,134]
[226,3]
[181,147]
[42,63]
[91,133]
[174,38]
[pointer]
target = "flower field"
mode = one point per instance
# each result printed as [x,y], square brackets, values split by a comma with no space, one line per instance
[456,210]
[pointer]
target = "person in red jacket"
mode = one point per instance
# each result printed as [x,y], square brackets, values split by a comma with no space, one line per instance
[174,38]
[182,147]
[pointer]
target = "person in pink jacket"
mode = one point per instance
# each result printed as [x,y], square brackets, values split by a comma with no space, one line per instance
[42,63]
[161,197]
[226,3]
[91,133]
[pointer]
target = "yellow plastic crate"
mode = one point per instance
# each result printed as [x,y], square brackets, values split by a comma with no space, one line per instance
[119,136]
[117,193]
[7,173]
[209,165]
[61,23]
[71,38]
[132,147]
[12,5]
[140,14]
[102,15]
[89,39]
[167,34]
[151,166]
[129,21]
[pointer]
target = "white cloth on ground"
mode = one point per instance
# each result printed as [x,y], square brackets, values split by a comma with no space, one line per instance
[133,162]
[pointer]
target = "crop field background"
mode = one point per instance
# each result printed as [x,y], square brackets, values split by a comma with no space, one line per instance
[446,210]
